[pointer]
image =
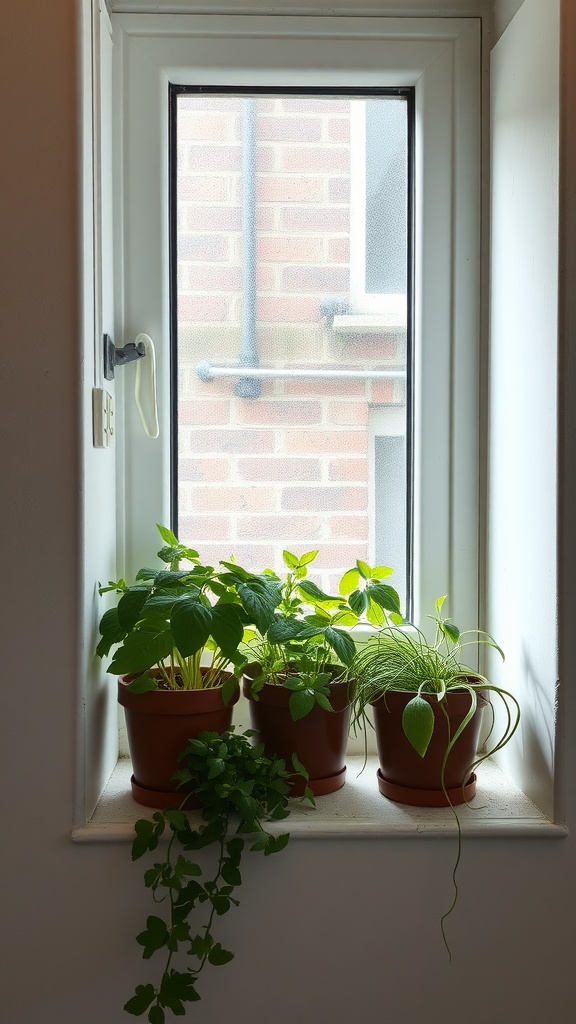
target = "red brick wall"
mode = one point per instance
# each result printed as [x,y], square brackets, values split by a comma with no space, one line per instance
[290,468]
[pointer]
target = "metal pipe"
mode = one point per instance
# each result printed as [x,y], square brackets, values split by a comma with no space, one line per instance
[248,387]
[207,372]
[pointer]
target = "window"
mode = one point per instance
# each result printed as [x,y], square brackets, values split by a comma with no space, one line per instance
[438,61]
[379,194]
[283,424]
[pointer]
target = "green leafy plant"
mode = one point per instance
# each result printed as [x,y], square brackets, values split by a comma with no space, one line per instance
[308,643]
[169,617]
[399,659]
[404,660]
[238,785]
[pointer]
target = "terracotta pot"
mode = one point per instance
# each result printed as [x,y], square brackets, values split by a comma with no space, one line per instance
[319,740]
[159,725]
[406,777]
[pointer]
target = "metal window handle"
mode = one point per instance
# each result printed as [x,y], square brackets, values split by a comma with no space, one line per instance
[145,386]
[142,352]
[114,357]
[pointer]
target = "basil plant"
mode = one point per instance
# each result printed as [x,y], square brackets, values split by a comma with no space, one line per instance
[173,620]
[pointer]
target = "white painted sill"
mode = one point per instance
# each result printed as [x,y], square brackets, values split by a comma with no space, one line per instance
[356,811]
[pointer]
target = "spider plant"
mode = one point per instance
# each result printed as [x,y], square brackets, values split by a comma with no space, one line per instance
[404,660]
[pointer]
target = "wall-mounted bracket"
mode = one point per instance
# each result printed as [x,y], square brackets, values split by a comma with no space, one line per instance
[114,357]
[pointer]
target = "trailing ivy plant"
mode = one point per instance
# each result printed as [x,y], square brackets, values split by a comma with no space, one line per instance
[239,786]
[308,643]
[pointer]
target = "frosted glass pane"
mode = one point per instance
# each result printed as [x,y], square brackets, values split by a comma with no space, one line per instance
[288,459]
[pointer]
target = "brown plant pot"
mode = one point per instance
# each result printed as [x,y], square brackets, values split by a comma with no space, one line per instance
[406,777]
[159,725]
[319,739]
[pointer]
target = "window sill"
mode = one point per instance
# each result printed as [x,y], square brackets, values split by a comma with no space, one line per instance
[356,811]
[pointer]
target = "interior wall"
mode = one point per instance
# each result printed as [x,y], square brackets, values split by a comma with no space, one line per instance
[326,931]
[504,11]
[522,498]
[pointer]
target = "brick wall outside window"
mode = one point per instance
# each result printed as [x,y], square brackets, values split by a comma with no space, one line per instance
[290,468]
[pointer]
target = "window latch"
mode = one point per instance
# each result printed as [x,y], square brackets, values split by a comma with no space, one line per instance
[114,357]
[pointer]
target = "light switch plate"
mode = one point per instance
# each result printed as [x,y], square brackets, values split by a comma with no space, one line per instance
[103,425]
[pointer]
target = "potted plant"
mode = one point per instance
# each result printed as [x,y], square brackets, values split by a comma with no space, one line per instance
[428,709]
[299,685]
[237,785]
[177,632]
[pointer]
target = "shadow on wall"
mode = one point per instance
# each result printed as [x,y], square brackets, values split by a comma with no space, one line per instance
[536,746]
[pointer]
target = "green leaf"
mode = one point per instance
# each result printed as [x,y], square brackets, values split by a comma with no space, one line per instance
[316,595]
[450,630]
[146,837]
[341,643]
[143,684]
[290,560]
[234,848]
[376,615]
[156,1015]
[384,596]
[176,818]
[439,603]
[323,701]
[259,599]
[201,946]
[145,647]
[111,630]
[221,905]
[154,937]
[186,868]
[167,536]
[301,703]
[349,582]
[230,873]
[177,988]
[358,601]
[381,572]
[116,585]
[418,724]
[364,569]
[284,628]
[308,557]
[227,628]
[140,1002]
[299,767]
[191,624]
[217,766]
[130,606]
[153,875]
[218,956]
[192,579]
[276,844]
[229,688]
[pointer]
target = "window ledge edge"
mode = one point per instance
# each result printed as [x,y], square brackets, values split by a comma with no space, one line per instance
[357,811]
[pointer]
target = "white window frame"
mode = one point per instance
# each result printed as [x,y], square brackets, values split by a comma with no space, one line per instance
[441,58]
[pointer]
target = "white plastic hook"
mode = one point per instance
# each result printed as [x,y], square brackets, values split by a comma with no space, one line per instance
[145,387]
